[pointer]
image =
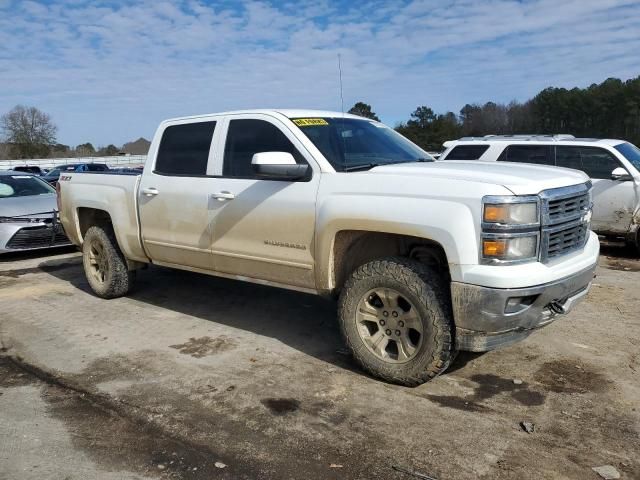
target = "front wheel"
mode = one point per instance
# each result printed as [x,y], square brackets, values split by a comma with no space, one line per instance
[395,316]
[104,264]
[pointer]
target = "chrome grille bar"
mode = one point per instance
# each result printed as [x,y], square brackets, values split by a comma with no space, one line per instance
[565,220]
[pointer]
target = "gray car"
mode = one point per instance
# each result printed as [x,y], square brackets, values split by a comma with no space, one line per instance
[28,214]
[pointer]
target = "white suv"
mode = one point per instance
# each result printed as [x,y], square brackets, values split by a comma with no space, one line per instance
[613,165]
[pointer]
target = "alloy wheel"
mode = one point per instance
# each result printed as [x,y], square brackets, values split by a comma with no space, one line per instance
[389,325]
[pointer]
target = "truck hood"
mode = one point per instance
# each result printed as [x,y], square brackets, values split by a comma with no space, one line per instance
[25,206]
[521,179]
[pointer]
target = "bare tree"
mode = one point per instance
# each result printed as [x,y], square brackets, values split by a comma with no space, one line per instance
[29,131]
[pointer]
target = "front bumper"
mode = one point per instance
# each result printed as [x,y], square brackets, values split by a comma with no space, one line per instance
[18,236]
[488,318]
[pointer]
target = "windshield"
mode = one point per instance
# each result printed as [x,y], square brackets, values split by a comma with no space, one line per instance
[630,152]
[55,173]
[351,144]
[22,186]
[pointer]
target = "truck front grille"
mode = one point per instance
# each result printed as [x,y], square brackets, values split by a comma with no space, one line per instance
[565,241]
[38,237]
[566,216]
[564,209]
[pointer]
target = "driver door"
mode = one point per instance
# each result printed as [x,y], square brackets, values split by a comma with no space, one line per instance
[263,228]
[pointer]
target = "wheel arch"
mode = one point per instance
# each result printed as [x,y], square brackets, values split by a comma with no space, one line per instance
[353,248]
[88,217]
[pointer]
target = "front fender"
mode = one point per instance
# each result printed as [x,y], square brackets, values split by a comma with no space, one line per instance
[448,223]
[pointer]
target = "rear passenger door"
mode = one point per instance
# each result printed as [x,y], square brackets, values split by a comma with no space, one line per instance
[263,229]
[174,195]
[613,201]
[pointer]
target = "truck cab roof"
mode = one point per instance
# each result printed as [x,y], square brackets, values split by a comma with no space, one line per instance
[289,113]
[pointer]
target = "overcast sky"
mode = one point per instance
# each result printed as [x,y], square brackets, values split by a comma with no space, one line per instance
[109,71]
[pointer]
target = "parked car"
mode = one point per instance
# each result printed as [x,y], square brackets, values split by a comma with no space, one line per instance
[33,169]
[28,214]
[613,165]
[127,170]
[426,257]
[53,175]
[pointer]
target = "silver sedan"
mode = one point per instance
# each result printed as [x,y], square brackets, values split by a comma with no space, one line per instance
[28,214]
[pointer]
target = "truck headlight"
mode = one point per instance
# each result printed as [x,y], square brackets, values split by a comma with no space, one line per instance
[521,213]
[510,229]
[510,248]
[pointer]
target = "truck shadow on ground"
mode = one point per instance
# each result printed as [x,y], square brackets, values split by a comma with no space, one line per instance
[302,321]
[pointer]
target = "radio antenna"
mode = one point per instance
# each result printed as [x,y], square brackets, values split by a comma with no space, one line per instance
[340,75]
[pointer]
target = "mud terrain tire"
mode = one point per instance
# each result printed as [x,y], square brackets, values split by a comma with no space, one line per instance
[418,286]
[104,264]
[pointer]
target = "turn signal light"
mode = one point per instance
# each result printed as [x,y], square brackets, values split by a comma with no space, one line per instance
[494,248]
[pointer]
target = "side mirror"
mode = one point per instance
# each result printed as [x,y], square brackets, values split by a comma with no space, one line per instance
[621,175]
[278,166]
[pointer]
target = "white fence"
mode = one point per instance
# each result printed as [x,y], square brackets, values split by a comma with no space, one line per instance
[116,161]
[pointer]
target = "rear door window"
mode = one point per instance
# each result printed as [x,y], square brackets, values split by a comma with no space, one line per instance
[537,154]
[184,149]
[568,157]
[466,152]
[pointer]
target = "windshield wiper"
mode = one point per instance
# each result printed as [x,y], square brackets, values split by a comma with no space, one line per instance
[367,166]
[360,166]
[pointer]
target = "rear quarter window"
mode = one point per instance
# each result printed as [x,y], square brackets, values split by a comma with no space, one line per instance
[466,152]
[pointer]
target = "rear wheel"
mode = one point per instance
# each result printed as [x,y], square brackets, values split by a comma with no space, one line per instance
[396,318]
[104,264]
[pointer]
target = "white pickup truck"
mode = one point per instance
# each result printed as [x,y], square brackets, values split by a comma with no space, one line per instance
[425,258]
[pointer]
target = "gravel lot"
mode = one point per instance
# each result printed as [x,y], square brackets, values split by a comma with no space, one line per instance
[198,377]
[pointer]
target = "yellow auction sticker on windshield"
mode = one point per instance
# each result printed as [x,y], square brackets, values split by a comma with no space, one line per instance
[308,122]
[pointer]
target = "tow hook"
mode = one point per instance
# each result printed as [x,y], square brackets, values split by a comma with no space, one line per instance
[557,307]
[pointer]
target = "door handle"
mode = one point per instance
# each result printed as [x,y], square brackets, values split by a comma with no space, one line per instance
[224,195]
[150,191]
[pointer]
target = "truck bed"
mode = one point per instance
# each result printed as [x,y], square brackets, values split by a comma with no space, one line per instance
[115,193]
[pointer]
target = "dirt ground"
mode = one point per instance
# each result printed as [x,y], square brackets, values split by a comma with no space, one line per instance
[195,377]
